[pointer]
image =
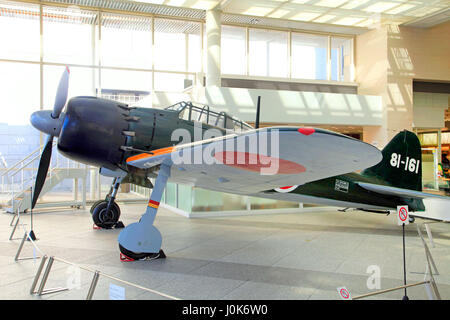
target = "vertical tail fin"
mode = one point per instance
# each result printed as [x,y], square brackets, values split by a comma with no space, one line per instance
[401,166]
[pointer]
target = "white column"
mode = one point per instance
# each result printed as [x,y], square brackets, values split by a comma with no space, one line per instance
[213,31]
[93,182]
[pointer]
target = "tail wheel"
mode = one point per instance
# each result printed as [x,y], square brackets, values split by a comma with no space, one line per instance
[102,218]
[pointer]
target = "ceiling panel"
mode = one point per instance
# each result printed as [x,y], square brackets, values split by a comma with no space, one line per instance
[322,14]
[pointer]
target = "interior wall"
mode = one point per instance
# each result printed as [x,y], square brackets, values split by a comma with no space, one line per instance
[283,106]
[388,59]
[371,76]
[287,85]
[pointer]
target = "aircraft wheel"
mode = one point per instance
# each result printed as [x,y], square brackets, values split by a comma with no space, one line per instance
[133,255]
[96,203]
[141,255]
[103,220]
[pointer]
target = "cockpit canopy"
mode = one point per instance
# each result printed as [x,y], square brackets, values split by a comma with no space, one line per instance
[201,113]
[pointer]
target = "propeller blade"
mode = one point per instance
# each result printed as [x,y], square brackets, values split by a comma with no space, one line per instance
[61,94]
[44,163]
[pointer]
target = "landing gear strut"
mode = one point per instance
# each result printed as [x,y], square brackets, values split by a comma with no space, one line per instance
[142,240]
[106,213]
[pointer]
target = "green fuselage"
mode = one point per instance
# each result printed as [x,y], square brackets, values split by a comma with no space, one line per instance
[344,191]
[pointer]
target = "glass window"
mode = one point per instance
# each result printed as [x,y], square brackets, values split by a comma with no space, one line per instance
[309,56]
[126,86]
[268,53]
[80,83]
[184,197]
[68,35]
[172,81]
[126,41]
[341,59]
[171,194]
[172,37]
[21,41]
[195,51]
[19,83]
[207,200]
[261,203]
[233,50]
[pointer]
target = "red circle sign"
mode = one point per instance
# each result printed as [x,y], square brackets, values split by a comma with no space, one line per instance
[344,293]
[402,214]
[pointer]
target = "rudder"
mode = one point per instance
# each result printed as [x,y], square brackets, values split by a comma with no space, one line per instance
[401,166]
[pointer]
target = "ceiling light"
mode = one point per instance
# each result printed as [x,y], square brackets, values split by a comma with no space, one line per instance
[353,4]
[401,8]
[380,6]
[305,16]
[330,3]
[257,11]
[325,18]
[348,21]
[279,13]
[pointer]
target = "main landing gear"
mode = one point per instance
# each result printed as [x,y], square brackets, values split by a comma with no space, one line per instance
[106,213]
[142,240]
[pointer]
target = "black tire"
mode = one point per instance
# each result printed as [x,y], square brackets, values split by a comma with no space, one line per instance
[96,203]
[133,255]
[106,222]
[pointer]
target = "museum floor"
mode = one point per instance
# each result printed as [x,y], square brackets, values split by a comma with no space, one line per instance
[284,256]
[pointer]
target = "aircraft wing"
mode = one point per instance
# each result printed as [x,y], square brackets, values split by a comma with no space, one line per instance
[405,193]
[261,159]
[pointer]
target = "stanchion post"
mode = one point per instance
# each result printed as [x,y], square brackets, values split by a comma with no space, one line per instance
[14,229]
[427,251]
[38,274]
[405,297]
[402,220]
[16,258]
[430,265]
[17,214]
[45,276]
[12,220]
[430,235]
[19,250]
[93,285]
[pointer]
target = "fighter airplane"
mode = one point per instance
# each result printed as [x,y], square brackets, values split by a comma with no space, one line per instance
[133,144]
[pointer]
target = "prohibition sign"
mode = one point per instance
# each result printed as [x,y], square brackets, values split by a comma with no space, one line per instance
[344,293]
[402,215]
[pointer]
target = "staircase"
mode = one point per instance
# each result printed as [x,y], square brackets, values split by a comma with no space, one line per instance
[17,181]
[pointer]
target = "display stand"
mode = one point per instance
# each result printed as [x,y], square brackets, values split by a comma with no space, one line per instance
[405,297]
[430,260]
[428,281]
[26,236]
[17,218]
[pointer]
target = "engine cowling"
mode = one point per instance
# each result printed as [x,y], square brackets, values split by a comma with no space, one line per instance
[93,131]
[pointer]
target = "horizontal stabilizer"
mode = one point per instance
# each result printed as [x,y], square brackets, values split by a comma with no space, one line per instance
[399,192]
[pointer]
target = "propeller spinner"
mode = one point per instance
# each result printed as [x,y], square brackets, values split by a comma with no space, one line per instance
[49,122]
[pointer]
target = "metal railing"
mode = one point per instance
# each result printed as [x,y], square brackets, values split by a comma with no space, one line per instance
[428,281]
[21,176]
[41,290]
[18,167]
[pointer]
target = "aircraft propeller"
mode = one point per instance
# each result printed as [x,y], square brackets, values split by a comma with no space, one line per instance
[49,122]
